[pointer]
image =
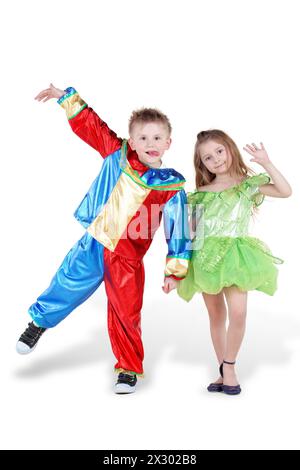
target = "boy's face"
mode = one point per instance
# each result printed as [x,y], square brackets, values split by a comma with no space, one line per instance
[150,141]
[215,157]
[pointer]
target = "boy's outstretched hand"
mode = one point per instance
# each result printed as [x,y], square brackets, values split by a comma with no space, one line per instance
[49,93]
[169,284]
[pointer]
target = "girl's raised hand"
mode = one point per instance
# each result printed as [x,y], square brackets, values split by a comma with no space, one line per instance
[259,155]
[49,93]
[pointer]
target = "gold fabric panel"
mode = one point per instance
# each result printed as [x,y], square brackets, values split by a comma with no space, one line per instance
[121,206]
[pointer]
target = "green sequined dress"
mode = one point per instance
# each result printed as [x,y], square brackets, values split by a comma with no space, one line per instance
[223,253]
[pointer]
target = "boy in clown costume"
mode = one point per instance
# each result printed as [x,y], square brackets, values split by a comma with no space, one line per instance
[120,213]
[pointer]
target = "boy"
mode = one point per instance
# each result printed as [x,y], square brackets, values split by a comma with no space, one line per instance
[121,213]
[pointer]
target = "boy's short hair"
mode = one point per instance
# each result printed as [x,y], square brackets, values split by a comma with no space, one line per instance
[146,115]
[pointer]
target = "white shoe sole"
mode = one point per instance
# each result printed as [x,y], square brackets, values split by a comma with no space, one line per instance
[123,389]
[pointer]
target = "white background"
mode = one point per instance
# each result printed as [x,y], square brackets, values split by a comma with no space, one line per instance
[226,64]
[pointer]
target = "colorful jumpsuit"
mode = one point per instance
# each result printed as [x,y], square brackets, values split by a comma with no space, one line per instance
[121,212]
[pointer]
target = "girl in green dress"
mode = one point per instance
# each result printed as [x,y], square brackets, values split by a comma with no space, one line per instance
[226,261]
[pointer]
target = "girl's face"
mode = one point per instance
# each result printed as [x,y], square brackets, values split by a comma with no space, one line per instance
[216,158]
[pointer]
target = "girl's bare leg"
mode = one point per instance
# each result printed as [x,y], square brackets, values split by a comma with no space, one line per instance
[237,311]
[216,308]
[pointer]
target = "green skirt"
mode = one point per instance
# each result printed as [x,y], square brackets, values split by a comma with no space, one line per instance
[245,262]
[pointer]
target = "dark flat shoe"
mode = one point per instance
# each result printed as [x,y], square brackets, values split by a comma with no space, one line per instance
[231,389]
[215,387]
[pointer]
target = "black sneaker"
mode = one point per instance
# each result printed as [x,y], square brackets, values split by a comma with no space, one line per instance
[126,383]
[28,340]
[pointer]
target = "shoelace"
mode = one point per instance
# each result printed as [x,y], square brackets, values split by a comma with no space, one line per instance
[32,334]
[127,379]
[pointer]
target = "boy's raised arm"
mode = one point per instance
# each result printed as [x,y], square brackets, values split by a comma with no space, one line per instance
[83,120]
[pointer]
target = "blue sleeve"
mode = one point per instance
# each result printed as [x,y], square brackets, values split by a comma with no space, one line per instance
[177,235]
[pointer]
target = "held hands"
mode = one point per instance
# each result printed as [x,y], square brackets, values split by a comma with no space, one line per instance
[49,93]
[169,284]
[259,155]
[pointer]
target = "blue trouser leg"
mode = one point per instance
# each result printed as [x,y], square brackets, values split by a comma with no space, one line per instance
[79,275]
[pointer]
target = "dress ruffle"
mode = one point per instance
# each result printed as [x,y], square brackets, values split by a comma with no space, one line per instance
[249,187]
[245,262]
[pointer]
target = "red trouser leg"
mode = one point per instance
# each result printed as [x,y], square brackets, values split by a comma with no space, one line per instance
[124,285]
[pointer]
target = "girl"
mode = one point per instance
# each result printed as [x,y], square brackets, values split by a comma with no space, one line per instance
[226,262]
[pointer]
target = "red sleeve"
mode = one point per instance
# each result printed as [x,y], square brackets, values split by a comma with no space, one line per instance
[95,132]
[88,125]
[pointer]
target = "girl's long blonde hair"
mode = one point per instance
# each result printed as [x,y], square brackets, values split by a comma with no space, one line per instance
[238,166]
